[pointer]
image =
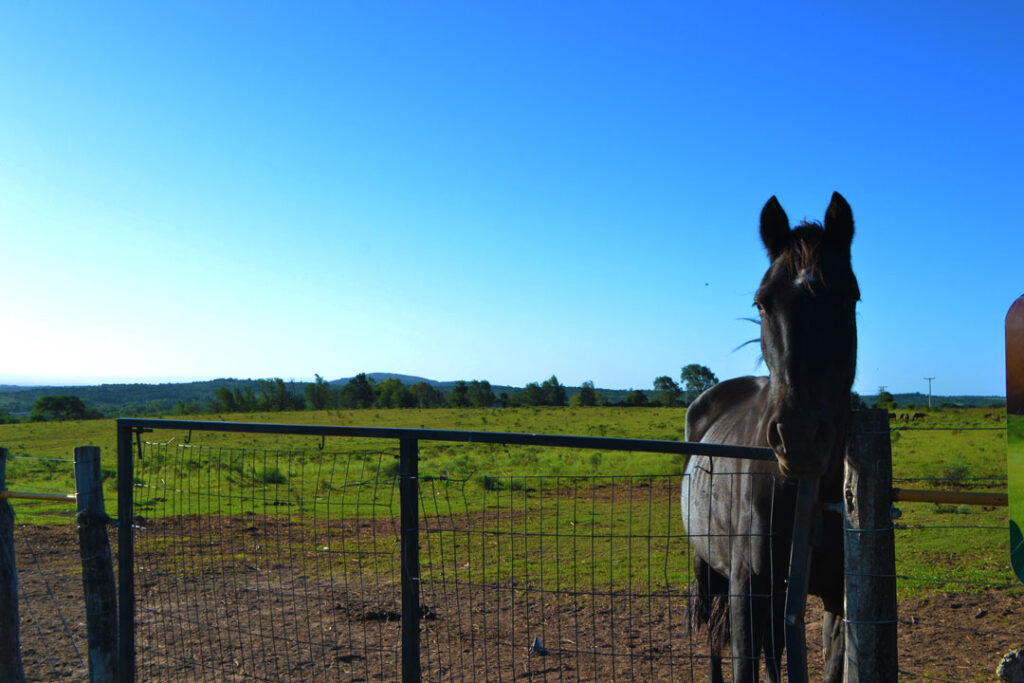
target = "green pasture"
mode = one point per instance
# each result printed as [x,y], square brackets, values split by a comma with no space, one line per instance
[555,533]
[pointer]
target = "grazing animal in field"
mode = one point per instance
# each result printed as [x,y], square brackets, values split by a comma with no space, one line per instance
[739,513]
[919,416]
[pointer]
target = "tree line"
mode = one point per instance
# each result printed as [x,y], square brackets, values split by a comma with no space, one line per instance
[362,391]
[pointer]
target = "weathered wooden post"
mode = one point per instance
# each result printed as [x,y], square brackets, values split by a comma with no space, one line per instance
[870,552]
[10,643]
[97,567]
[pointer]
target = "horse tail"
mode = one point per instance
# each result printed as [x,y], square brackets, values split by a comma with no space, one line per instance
[708,607]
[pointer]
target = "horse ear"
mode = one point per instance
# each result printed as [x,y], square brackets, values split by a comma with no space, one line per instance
[774,227]
[839,222]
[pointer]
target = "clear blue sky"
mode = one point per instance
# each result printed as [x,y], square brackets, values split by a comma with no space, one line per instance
[497,191]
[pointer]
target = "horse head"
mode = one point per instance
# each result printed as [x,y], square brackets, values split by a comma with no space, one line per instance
[807,301]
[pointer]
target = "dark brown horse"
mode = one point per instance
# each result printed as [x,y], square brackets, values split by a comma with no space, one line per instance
[739,513]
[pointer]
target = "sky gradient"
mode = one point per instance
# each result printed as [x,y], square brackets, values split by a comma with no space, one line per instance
[500,192]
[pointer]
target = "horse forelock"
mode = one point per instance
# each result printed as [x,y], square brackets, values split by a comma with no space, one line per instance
[808,262]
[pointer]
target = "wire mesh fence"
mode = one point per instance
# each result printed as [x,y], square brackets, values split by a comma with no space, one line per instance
[265,565]
[960,607]
[258,564]
[50,603]
[564,578]
[270,565]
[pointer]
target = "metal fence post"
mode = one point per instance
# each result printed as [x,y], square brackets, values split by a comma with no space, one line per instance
[869,550]
[408,483]
[799,577]
[10,645]
[97,566]
[125,554]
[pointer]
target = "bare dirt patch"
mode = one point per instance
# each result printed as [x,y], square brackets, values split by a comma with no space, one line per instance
[230,599]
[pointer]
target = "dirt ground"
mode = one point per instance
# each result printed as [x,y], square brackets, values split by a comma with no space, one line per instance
[210,612]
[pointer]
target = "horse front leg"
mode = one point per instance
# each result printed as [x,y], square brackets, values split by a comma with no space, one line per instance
[749,610]
[775,643]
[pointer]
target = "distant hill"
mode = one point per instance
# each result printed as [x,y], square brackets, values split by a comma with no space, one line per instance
[407,380]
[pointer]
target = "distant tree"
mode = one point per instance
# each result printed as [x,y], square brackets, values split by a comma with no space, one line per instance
[884,399]
[237,400]
[67,407]
[587,396]
[481,394]
[358,393]
[695,380]
[5,416]
[531,395]
[275,396]
[856,402]
[245,399]
[554,393]
[669,392]
[391,393]
[186,407]
[635,399]
[318,394]
[426,396]
[223,401]
[459,397]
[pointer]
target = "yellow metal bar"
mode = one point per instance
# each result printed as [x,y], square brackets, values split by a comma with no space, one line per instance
[69,497]
[951,497]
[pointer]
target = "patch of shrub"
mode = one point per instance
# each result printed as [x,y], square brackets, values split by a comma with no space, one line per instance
[271,475]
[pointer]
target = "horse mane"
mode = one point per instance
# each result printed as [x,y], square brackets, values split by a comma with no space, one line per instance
[802,254]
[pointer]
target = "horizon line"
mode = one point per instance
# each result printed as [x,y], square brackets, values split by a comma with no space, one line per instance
[41,381]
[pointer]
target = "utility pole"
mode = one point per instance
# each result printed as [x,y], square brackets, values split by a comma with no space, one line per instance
[929,391]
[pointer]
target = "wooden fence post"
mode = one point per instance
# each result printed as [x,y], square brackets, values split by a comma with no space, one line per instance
[10,644]
[97,567]
[870,555]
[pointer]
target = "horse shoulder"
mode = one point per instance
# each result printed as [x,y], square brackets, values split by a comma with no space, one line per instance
[720,400]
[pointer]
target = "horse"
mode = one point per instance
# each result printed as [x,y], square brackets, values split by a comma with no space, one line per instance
[739,513]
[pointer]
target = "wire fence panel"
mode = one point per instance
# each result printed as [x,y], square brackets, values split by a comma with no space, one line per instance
[50,603]
[559,578]
[255,564]
[955,620]
[265,565]
[51,609]
[960,607]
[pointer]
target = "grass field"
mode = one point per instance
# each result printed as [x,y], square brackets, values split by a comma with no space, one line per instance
[941,547]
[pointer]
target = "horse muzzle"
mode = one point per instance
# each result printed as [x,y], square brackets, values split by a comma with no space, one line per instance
[802,447]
